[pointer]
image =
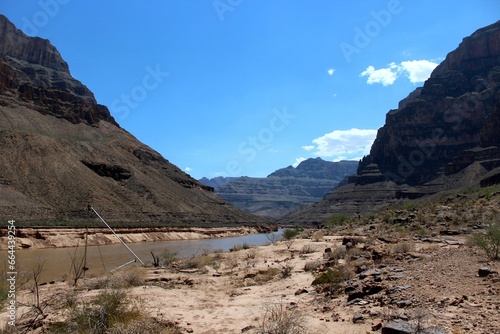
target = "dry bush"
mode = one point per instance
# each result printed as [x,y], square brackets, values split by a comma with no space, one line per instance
[267,275]
[231,261]
[278,319]
[168,257]
[338,253]
[402,247]
[286,270]
[132,276]
[199,262]
[108,309]
[312,265]
[308,249]
[318,235]
[239,247]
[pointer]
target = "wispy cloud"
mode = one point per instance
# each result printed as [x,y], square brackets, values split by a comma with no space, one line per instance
[298,161]
[188,169]
[309,147]
[331,71]
[416,71]
[343,144]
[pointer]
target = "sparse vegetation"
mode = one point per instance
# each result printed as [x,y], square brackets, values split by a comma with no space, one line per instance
[489,241]
[402,247]
[278,319]
[330,281]
[111,311]
[337,220]
[168,257]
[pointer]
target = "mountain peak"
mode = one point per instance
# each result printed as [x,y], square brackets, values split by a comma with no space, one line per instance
[34,71]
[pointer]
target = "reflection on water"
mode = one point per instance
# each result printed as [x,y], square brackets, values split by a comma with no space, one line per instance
[57,261]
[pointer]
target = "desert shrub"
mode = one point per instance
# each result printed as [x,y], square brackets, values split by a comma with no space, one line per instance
[145,326]
[108,309]
[231,261]
[338,253]
[277,319]
[489,241]
[289,233]
[337,219]
[402,247]
[266,275]
[312,265]
[286,270]
[133,276]
[330,281]
[308,249]
[197,262]
[318,235]
[168,257]
[238,247]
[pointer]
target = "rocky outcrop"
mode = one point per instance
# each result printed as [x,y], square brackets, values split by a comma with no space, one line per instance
[285,189]
[34,72]
[61,151]
[436,136]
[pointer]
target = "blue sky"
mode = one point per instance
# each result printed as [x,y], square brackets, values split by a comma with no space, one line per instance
[244,87]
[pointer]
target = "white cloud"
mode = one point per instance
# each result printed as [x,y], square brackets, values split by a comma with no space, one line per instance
[309,147]
[331,71]
[188,169]
[385,76]
[416,70]
[344,144]
[298,161]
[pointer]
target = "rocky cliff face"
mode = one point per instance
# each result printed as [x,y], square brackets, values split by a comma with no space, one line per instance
[60,151]
[439,130]
[285,189]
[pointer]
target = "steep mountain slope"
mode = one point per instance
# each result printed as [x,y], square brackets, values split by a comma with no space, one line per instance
[444,135]
[285,189]
[60,151]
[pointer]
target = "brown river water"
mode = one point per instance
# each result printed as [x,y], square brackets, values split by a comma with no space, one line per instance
[101,259]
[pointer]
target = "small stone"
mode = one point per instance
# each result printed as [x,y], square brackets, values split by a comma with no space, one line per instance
[300,291]
[247,328]
[358,317]
[484,272]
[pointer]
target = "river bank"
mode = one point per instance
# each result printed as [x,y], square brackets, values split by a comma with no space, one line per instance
[40,238]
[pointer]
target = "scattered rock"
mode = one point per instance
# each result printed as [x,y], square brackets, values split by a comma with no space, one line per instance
[398,327]
[484,272]
[247,328]
[300,291]
[357,317]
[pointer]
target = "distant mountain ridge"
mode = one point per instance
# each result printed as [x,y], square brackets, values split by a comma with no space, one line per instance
[61,150]
[443,135]
[285,189]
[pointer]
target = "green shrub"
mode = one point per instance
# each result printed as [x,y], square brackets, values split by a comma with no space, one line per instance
[107,309]
[337,220]
[488,241]
[168,257]
[289,234]
[330,281]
